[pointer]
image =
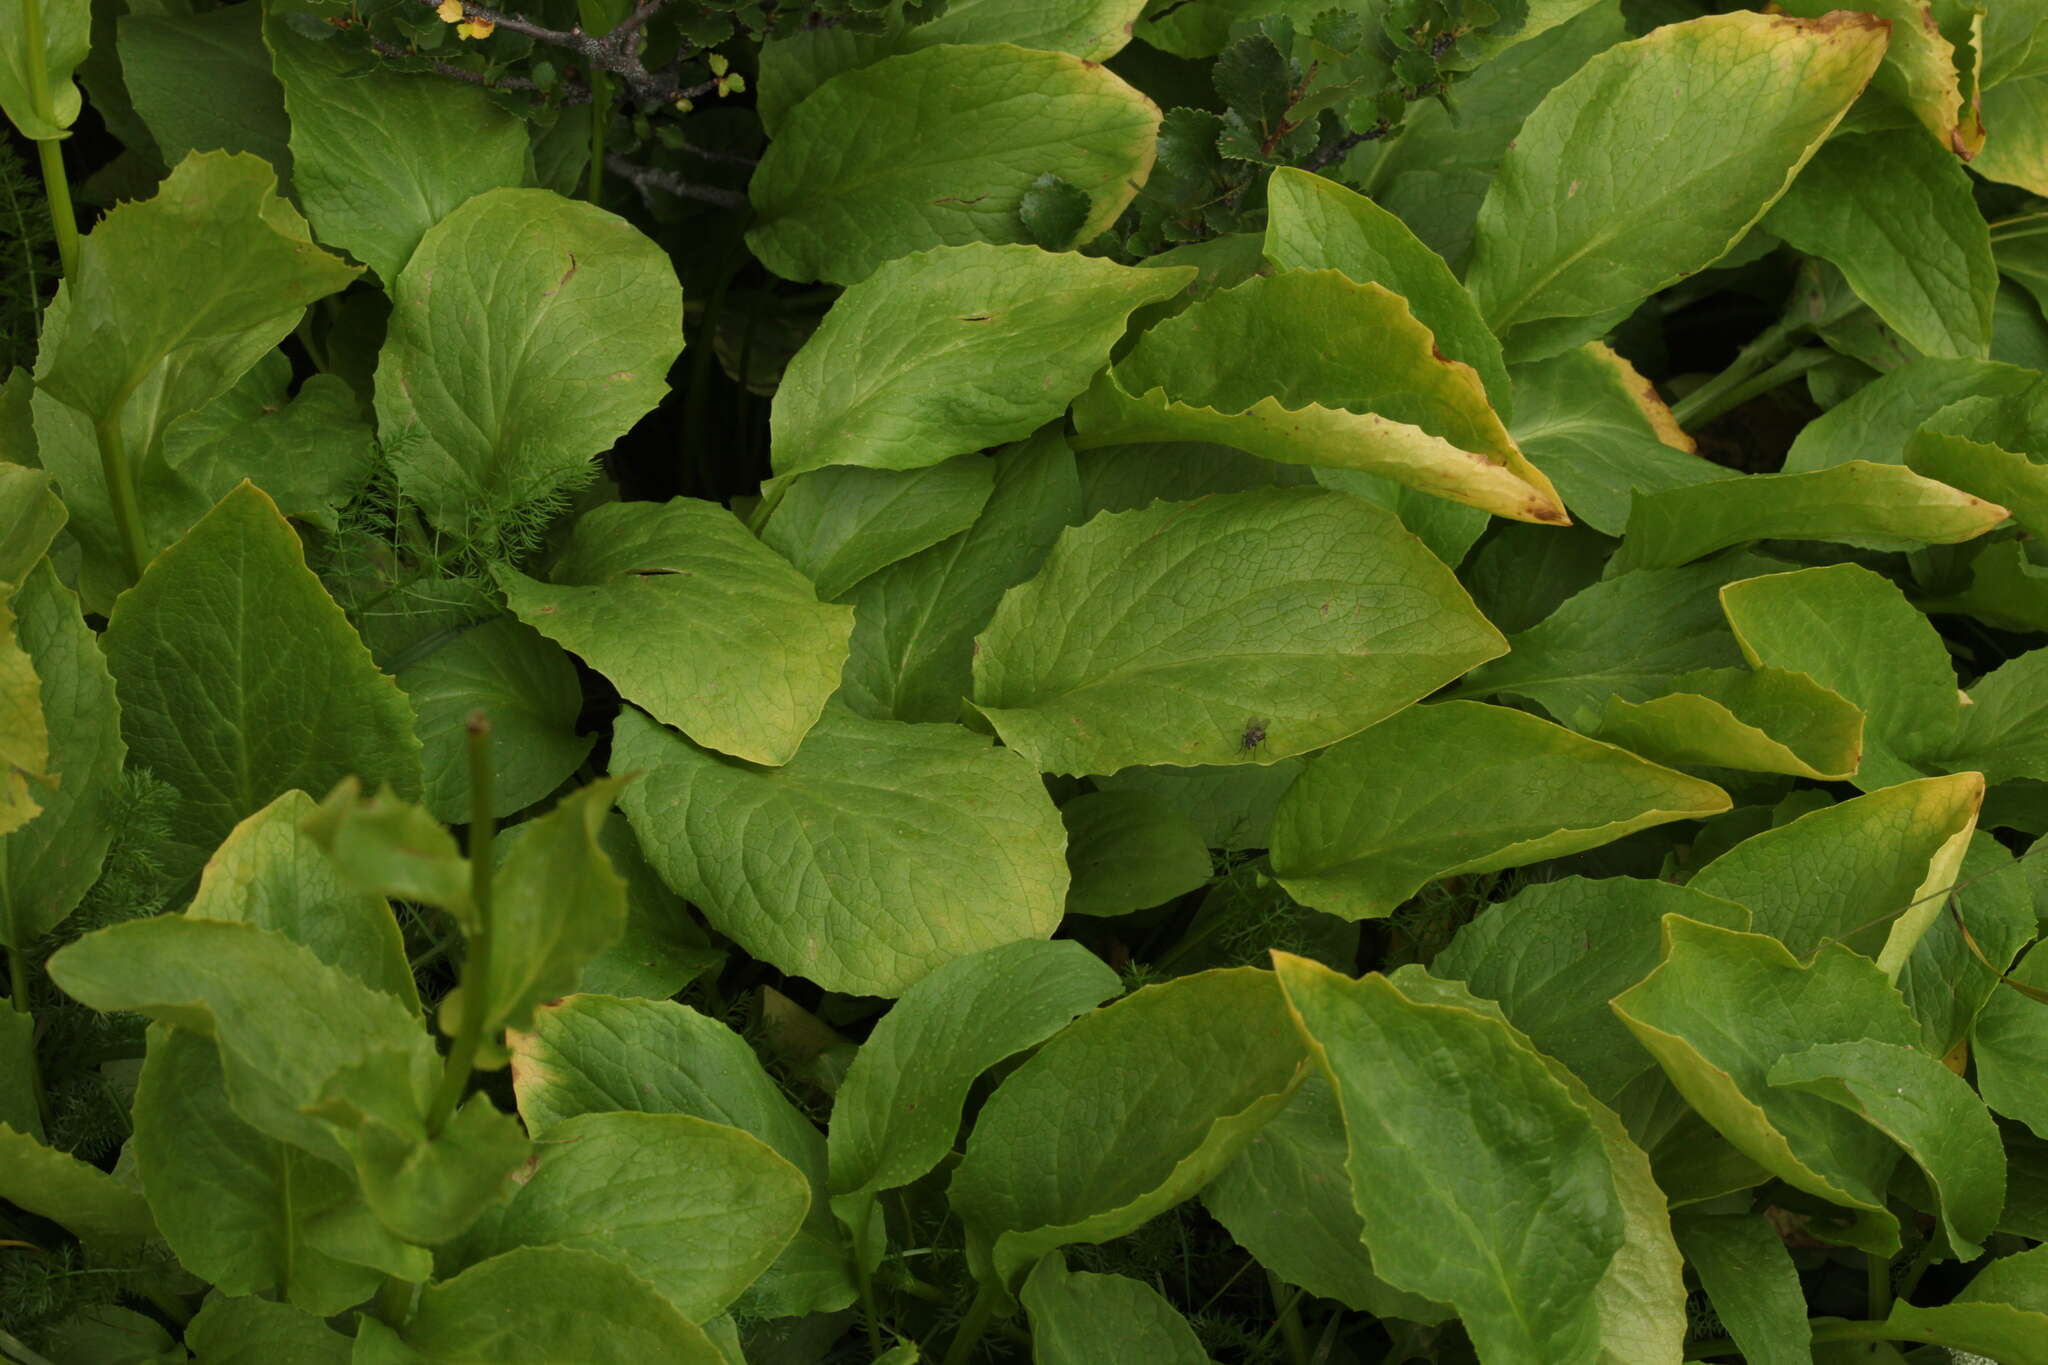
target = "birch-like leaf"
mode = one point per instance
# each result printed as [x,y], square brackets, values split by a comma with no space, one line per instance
[1084,1319]
[1763,720]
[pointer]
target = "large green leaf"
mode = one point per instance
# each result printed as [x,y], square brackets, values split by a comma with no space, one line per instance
[1447,1111]
[1751,1282]
[1845,502]
[1965,952]
[794,65]
[1554,954]
[380,156]
[1273,366]
[1929,1111]
[1318,224]
[695,1208]
[526,687]
[540,1306]
[1142,1103]
[1083,1319]
[1602,434]
[1877,422]
[239,1207]
[67,33]
[951,350]
[31,513]
[898,1110]
[1631,174]
[1871,873]
[1130,850]
[1280,1200]
[1764,720]
[855,178]
[2008,477]
[252,1331]
[527,333]
[241,679]
[662,948]
[1377,818]
[1245,627]
[269,873]
[1920,70]
[47,865]
[2016,120]
[694,620]
[2004,730]
[1894,211]
[592,1054]
[880,852]
[24,732]
[2009,1043]
[98,1209]
[841,524]
[1723,1007]
[1855,634]
[1625,637]
[914,622]
[201,82]
[175,297]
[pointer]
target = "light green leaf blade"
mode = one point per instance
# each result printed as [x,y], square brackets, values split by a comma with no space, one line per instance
[24,731]
[854,178]
[1624,637]
[1271,366]
[1602,434]
[1871,873]
[1245,627]
[1723,1006]
[2004,731]
[175,298]
[312,452]
[1084,1319]
[1959,961]
[841,524]
[898,1110]
[696,1209]
[526,687]
[1430,1149]
[1318,224]
[1763,720]
[1230,806]
[694,620]
[528,332]
[269,873]
[593,1054]
[939,845]
[201,82]
[67,34]
[951,350]
[556,1291]
[1894,211]
[271,689]
[2003,1313]
[1377,818]
[1877,422]
[662,949]
[31,514]
[2008,478]
[914,622]
[48,865]
[1282,1200]
[1129,851]
[1624,179]
[2009,1043]
[1145,1101]
[252,1331]
[2015,150]
[1922,69]
[1855,634]
[1846,502]
[390,847]
[1925,1108]
[237,1205]
[95,1207]
[794,65]
[1751,1281]
[1555,953]
[380,156]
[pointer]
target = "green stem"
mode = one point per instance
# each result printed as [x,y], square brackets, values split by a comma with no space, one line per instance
[394,1302]
[1705,402]
[1699,406]
[476,967]
[17,985]
[973,1327]
[1877,1279]
[56,188]
[120,488]
[1921,1260]
[600,116]
[858,1240]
